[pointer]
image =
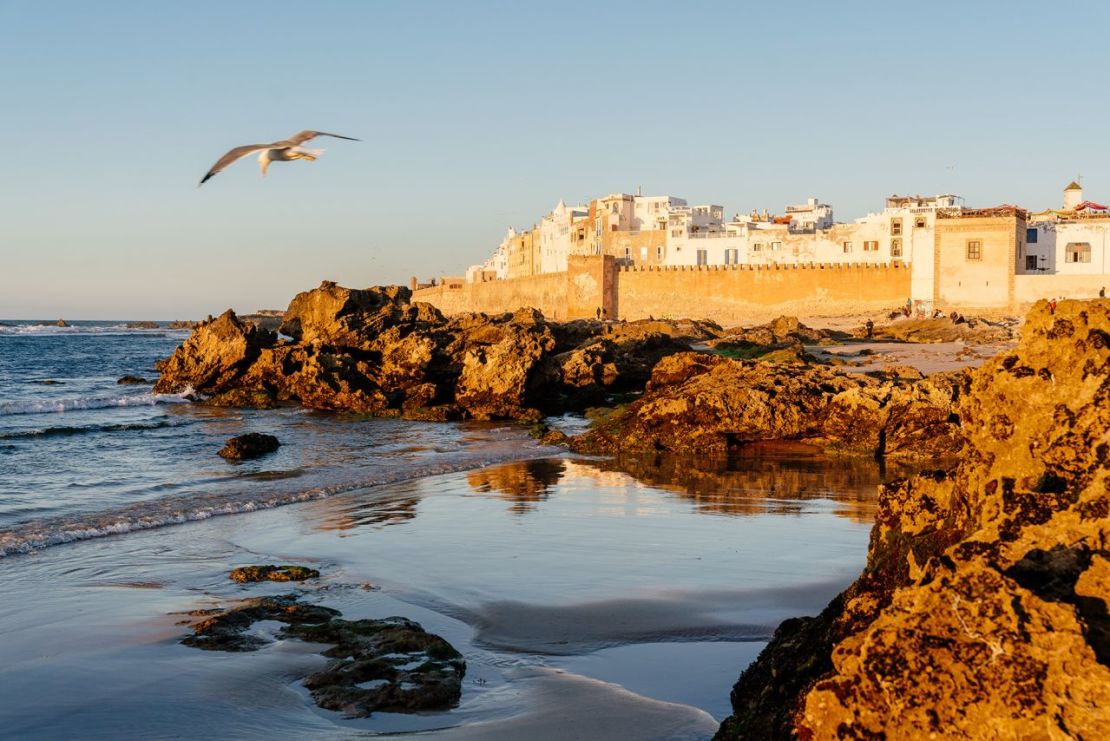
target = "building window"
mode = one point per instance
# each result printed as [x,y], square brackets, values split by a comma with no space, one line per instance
[847,247]
[1030,262]
[919,222]
[974,249]
[896,247]
[757,247]
[703,257]
[776,246]
[659,253]
[870,246]
[1031,236]
[1077,252]
[628,252]
[896,227]
[732,256]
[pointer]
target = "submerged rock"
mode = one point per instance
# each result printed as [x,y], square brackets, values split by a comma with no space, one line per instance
[132,381]
[270,572]
[982,612]
[388,665]
[225,630]
[251,445]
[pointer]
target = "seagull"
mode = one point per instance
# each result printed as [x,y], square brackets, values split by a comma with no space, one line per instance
[280,151]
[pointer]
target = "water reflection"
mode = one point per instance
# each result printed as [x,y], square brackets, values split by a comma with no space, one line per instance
[349,513]
[759,481]
[523,483]
[753,482]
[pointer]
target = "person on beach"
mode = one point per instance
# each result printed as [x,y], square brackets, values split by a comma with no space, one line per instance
[870,327]
[1052,306]
[1102,292]
[599,313]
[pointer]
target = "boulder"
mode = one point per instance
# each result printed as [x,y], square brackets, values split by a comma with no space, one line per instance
[132,381]
[982,612]
[251,445]
[214,357]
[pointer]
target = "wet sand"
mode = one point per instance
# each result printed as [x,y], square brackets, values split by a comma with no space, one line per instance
[604,608]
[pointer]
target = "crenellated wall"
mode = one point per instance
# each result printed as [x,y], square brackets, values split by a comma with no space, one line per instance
[727,295]
[743,294]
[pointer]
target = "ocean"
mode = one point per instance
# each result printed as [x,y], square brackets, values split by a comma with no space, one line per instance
[591,598]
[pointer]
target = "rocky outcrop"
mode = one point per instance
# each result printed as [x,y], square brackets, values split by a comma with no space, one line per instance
[388,665]
[270,572]
[372,351]
[982,612]
[697,402]
[972,331]
[251,445]
[214,357]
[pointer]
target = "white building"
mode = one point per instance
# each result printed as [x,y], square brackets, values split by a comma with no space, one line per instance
[1070,241]
[555,242]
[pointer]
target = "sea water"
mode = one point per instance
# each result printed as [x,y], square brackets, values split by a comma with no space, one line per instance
[592,598]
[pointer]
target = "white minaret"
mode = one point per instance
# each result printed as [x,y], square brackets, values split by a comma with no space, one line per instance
[1073,196]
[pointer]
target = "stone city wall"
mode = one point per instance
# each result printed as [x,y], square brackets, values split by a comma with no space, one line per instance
[731,295]
[728,295]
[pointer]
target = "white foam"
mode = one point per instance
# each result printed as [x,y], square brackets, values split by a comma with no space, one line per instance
[39,534]
[55,406]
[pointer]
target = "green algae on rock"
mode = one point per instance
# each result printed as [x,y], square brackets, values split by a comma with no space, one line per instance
[270,572]
[387,665]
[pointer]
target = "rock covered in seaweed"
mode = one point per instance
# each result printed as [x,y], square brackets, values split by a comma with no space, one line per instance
[982,612]
[270,572]
[388,665]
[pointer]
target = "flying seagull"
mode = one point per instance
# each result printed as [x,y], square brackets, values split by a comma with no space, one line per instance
[281,151]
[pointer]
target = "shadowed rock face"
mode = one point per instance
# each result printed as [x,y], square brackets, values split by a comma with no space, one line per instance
[982,612]
[372,351]
[701,402]
[251,445]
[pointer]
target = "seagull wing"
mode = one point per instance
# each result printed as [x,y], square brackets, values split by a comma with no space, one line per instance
[306,135]
[234,155]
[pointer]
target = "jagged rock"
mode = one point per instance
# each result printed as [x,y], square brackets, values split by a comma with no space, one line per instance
[782,331]
[973,331]
[982,612]
[388,665]
[345,317]
[494,382]
[705,403]
[270,572]
[372,351]
[143,325]
[251,445]
[214,356]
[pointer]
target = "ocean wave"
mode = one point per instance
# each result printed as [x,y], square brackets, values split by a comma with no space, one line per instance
[53,406]
[177,510]
[65,430]
[50,330]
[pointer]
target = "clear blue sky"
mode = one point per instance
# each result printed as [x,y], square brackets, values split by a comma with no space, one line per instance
[477,115]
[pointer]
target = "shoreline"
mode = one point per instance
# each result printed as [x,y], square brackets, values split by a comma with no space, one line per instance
[441,550]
